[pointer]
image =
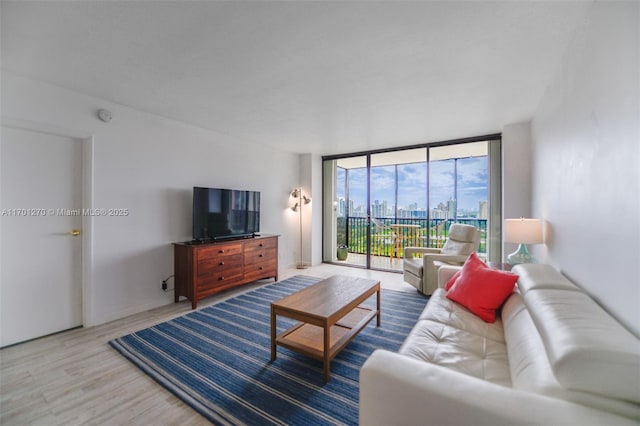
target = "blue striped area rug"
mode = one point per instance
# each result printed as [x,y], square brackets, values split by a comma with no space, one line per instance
[216,360]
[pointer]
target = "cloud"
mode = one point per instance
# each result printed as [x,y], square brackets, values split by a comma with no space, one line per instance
[473,170]
[472,174]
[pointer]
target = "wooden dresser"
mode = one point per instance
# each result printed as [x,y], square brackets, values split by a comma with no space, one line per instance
[204,269]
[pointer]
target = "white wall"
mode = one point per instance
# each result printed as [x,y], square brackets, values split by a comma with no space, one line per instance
[316,225]
[305,181]
[586,167]
[149,164]
[311,183]
[516,172]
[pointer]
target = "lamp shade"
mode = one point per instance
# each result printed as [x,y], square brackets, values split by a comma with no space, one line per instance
[524,231]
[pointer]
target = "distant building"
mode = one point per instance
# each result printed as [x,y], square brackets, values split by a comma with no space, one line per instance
[378,208]
[412,213]
[439,214]
[483,210]
[341,207]
[451,209]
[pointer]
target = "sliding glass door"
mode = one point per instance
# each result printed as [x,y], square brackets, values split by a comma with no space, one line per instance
[379,203]
[398,182]
[345,228]
[459,190]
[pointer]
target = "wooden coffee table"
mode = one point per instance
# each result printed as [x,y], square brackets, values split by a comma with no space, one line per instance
[329,314]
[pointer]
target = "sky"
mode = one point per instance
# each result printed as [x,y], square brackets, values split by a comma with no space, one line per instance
[472,183]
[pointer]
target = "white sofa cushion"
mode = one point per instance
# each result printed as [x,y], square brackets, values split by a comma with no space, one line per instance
[445,311]
[450,336]
[588,350]
[534,276]
[530,368]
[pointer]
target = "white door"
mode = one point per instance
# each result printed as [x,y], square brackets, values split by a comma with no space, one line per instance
[41,261]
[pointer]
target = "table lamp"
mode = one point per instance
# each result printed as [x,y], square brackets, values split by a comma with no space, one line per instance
[522,231]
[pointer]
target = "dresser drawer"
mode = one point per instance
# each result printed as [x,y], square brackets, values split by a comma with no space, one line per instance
[261,244]
[220,278]
[212,265]
[265,269]
[258,256]
[218,250]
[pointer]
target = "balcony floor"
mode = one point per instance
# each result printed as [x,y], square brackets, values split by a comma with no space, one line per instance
[377,262]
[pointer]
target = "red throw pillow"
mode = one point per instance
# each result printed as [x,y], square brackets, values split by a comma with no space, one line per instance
[452,281]
[481,289]
[473,261]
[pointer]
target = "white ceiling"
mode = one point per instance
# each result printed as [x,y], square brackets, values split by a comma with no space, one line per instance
[312,77]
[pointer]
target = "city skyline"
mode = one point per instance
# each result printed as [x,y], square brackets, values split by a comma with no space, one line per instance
[470,173]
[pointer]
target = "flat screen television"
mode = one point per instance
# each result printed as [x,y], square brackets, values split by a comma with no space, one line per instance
[225,213]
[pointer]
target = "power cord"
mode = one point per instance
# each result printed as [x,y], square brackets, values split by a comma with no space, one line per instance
[164,283]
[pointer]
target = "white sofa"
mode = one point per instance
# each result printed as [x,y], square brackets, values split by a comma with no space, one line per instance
[553,357]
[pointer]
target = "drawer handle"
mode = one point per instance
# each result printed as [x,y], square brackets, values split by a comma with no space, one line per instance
[261,245]
[221,263]
[261,255]
[221,278]
[261,268]
[220,251]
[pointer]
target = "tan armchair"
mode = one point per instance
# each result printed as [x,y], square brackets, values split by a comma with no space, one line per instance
[422,272]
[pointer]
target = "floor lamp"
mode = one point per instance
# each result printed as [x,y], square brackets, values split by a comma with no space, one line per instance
[302,200]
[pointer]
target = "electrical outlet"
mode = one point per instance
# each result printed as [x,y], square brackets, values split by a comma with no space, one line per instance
[164,285]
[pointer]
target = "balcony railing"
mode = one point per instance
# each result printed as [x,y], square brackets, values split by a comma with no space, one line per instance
[391,236]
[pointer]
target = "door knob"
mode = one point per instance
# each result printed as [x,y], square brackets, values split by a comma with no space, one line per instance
[74,232]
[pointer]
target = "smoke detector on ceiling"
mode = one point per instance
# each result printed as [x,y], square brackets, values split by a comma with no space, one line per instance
[105,115]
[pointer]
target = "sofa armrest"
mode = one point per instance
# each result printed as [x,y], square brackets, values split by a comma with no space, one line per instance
[399,390]
[410,251]
[445,273]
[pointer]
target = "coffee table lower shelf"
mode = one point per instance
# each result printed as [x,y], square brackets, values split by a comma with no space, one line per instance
[308,339]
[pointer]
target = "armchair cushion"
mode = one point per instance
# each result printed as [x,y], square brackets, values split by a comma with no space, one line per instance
[413,266]
[458,247]
[459,232]
[481,289]
[463,239]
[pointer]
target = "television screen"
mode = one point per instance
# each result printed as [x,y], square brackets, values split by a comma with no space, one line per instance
[225,213]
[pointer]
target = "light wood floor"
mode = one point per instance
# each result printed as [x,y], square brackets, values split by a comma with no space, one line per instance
[75,377]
